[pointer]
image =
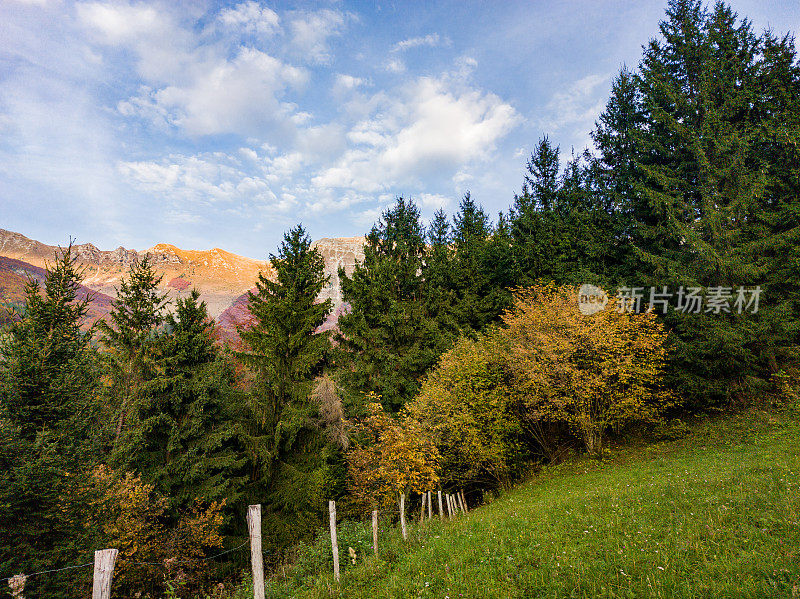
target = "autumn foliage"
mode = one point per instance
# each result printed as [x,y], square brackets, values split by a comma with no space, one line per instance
[550,375]
[391,456]
[466,404]
[594,372]
[131,516]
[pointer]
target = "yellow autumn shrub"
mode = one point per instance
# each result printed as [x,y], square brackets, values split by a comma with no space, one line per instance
[390,456]
[595,372]
[467,405]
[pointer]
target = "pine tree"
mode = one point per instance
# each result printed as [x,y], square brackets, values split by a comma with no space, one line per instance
[501,266]
[183,432]
[440,292]
[703,213]
[477,303]
[132,336]
[285,351]
[530,216]
[390,338]
[48,421]
[616,137]
[778,79]
[294,463]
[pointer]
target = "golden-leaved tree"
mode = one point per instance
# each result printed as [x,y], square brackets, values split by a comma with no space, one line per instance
[466,403]
[595,372]
[391,456]
[129,514]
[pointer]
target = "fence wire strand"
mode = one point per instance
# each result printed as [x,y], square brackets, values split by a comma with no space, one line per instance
[201,559]
[55,570]
[176,562]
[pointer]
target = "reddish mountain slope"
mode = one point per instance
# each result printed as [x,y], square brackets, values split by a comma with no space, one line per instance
[14,275]
[220,276]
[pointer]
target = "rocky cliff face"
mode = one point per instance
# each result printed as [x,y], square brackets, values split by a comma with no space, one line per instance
[15,274]
[338,252]
[222,278]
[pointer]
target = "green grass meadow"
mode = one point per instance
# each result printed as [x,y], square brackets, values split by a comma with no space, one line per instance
[716,514]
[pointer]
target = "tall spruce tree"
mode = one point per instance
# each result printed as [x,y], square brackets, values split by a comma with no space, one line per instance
[390,337]
[48,421]
[440,290]
[616,137]
[694,156]
[293,463]
[131,337]
[285,350]
[705,215]
[531,226]
[476,296]
[183,430]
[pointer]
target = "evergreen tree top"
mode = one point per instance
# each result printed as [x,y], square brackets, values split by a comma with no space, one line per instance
[399,233]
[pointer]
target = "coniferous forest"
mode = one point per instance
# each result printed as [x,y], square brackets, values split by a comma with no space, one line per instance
[463,361]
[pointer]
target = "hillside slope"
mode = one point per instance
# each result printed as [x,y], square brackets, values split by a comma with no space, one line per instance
[220,276]
[14,276]
[714,515]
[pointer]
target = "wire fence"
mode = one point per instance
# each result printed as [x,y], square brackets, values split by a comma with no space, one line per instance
[172,562]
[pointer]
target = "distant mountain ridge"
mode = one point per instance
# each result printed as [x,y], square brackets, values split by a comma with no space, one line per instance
[223,278]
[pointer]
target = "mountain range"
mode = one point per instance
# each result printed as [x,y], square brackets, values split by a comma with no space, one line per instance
[222,278]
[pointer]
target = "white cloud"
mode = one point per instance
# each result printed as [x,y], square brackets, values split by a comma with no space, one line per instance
[433,201]
[121,23]
[461,178]
[427,129]
[576,109]
[311,30]
[240,95]
[202,88]
[204,78]
[191,184]
[163,47]
[250,17]
[432,40]
[345,83]
[395,65]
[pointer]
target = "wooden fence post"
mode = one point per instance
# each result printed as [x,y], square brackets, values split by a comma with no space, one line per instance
[461,503]
[430,509]
[17,584]
[256,557]
[104,560]
[422,508]
[403,515]
[449,506]
[375,531]
[441,511]
[334,542]
[464,501]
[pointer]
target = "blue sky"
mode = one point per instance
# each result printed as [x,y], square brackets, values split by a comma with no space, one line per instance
[210,124]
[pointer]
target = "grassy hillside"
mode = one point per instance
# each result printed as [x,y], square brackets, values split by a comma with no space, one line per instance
[716,514]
